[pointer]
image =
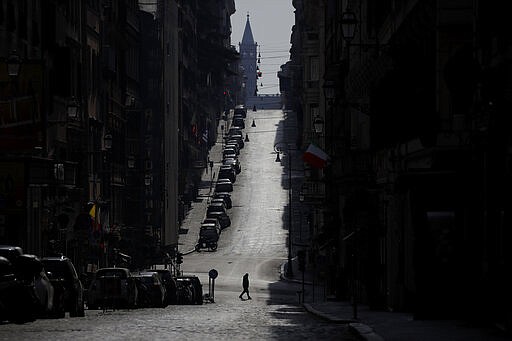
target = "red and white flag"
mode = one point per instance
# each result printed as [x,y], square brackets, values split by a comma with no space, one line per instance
[315,156]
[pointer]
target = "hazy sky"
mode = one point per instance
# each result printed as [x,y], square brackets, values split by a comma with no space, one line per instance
[271,23]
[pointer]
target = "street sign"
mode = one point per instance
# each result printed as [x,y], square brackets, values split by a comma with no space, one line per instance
[213,273]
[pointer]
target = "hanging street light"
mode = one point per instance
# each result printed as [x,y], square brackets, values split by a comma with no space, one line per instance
[107,141]
[348,25]
[13,64]
[318,125]
[73,108]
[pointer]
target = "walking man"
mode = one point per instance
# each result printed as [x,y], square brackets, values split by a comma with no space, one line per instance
[245,285]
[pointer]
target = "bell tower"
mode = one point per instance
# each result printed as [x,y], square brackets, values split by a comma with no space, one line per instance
[247,49]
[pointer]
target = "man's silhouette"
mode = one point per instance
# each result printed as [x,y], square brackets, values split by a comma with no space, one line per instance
[245,285]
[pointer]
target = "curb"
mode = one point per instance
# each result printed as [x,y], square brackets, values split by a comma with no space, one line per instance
[364,332]
[330,317]
[360,330]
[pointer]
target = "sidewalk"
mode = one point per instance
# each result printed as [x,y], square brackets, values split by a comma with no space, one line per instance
[189,230]
[385,325]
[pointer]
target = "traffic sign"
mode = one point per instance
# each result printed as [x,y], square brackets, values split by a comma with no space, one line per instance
[213,273]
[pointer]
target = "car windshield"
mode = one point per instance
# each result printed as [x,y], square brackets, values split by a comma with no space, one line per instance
[58,268]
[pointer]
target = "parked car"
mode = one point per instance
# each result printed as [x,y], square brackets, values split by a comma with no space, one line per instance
[211,226]
[238,139]
[227,172]
[213,221]
[234,130]
[234,145]
[11,252]
[226,197]
[208,237]
[169,284]
[150,289]
[15,300]
[224,186]
[26,293]
[234,163]
[216,207]
[223,218]
[112,288]
[219,201]
[185,290]
[68,289]
[229,152]
[238,121]
[241,109]
[30,270]
[197,287]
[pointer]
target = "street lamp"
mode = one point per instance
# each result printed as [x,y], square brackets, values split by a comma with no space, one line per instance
[73,108]
[318,125]
[278,150]
[131,161]
[13,64]
[348,25]
[329,91]
[107,141]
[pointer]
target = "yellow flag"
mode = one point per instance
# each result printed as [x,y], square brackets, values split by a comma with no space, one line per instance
[92,212]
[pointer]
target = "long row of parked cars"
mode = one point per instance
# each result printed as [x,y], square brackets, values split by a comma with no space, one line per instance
[216,218]
[48,287]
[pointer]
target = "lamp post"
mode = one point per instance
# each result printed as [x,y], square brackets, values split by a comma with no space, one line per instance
[107,143]
[13,64]
[278,150]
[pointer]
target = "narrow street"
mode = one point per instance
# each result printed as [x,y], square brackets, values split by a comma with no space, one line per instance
[254,243]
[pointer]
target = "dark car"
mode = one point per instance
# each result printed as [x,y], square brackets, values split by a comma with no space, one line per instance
[31,273]
[219,201]
[227,172]
[240,109]
[238,139]
[224,186]
[25,291]
[224,196]
[185,291]
[234,162]
[151,290]
[238,121]
[12,294]
[216,207]
[69,291]
[234,145]
[213,221]
[196,285]
[169,284]
[229,152]
[112,287]
[223,218]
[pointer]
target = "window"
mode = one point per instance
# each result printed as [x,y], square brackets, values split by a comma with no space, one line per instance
[314,68]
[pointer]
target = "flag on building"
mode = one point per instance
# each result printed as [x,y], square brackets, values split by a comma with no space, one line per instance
[315,156]
[92,212]
[205,136]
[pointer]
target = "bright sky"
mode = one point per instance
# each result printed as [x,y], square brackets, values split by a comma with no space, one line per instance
[271,23]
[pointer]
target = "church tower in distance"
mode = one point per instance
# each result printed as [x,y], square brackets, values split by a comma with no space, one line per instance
[248,62]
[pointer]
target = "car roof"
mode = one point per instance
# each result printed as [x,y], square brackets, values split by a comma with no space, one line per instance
[56,258]
[222,194]
[145,273]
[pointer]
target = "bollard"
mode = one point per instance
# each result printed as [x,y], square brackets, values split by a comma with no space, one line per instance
[246,137]
[253,123]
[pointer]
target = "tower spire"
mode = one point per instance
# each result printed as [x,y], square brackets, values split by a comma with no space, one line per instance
[248,39]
